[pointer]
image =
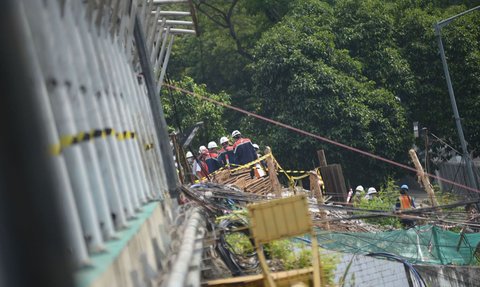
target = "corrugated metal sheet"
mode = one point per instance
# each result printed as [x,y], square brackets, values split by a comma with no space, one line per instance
[455,172]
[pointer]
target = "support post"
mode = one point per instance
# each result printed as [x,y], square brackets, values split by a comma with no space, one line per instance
[178,157]
[318,276]
[317,193]
[468,161]
[267,276]
[321,157]
[272,174]
[157,110]
[423,177]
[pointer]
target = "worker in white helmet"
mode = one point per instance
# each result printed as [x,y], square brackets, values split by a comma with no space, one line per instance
[190,165]
[260,168]
[189,157]
[371,193]
[212,157]
[243,149]
[200,167]
[257,149]
[358,194]
[225,155]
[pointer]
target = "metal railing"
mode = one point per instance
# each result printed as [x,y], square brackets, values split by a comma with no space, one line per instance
[99,75]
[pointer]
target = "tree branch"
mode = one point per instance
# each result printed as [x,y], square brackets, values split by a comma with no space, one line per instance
[212,18]
[227,17]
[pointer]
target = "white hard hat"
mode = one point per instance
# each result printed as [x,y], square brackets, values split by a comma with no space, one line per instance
[223,140]
[359,188]
[235,133]
[202,148]
[256,146]
[371,190]
[212,144]
[189,154]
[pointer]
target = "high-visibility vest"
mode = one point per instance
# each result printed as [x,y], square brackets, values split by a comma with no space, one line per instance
[405,202]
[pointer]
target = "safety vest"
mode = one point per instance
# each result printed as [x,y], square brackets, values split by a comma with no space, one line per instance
[405,202]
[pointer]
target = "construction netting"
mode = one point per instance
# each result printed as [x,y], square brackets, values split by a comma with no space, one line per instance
[421,244]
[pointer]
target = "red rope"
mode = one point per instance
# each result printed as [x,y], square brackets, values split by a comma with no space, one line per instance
[321,138]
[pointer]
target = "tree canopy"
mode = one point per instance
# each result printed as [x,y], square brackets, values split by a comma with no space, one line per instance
[356,71]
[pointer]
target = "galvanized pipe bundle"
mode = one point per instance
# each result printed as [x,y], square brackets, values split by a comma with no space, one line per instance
[99,102]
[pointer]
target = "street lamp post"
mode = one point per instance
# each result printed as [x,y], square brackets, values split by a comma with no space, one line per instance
[438,26]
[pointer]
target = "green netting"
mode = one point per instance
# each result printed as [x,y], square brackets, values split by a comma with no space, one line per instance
[422,244]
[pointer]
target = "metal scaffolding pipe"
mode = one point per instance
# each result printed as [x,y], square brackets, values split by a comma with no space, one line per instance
[159,2]
[173,13]
[177,22]
[180,268]
[182,31]
[157,110]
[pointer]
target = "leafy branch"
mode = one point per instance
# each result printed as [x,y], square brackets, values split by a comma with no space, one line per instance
[224,20]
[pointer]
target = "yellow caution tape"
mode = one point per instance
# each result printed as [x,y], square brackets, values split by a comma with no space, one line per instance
[300,177]
[252,162]
[55,149]
[119,136]
[68,140]
[148,146]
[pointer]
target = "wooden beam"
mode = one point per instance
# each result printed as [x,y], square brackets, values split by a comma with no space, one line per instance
[257,280]
[272,174]
[316,189]
[321,157]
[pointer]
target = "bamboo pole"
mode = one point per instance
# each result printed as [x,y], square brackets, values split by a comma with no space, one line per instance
[423,177]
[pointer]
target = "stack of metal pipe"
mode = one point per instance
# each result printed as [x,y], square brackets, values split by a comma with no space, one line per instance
[99,67]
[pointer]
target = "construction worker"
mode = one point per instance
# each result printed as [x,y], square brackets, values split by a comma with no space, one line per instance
[349,195]
[358,194]
[189,157]
[243,149]
[405,201]
[257,149]
[225,155]
[211,158]
[190,162]
[371,193]
[200,167]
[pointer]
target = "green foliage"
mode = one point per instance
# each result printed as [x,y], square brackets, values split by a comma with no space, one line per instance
[183,111]
[296,255]
[291,255]
[356,71]
[239,243]
[301,77]
[385,200]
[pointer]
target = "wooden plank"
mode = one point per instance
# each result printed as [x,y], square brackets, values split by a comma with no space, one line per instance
[245,280]
[272,174]
[334,182]
[317,192]
[321,157]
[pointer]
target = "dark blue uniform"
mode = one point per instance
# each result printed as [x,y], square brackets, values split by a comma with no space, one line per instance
[244,151]
[226,156]
[212,162]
